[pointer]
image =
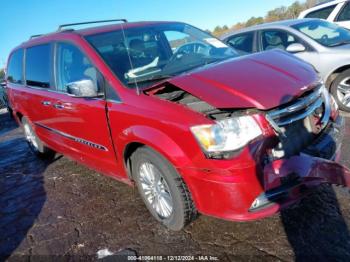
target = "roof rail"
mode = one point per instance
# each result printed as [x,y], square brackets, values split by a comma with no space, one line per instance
[34,36]
[92,22]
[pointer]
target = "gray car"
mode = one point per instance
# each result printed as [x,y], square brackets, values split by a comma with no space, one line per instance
[324,45]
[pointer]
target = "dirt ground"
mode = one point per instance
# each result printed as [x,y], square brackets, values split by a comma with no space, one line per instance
[62,210]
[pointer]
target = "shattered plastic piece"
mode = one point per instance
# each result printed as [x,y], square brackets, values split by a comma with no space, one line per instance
[309,169]
[104,253]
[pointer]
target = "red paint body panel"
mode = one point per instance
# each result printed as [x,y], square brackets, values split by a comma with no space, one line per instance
[248,82]
[221,188]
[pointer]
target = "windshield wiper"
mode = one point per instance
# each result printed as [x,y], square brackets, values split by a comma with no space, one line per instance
[340,43]
[150,79]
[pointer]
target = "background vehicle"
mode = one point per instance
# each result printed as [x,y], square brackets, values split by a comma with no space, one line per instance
[333,11]
[3,95]
[168,107]
[324,45]
[2,101]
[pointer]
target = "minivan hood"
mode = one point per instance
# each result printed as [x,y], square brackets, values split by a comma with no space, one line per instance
[262,81]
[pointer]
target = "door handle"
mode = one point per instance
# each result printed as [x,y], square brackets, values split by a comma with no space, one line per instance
[58,106]
[46,103]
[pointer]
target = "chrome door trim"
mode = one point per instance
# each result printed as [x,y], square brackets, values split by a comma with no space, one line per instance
[73,138]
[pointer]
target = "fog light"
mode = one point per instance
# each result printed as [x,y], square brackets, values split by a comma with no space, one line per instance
[259,202]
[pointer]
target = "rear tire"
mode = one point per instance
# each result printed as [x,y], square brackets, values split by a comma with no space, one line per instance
[34,142]
[165,193]
[340,89]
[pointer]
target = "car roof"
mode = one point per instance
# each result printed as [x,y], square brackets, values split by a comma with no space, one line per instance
[119,26]
[277,24]
[93,30]
[326,3]
[321,6]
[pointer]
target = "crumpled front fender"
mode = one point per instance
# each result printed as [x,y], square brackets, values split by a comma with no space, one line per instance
[311,170]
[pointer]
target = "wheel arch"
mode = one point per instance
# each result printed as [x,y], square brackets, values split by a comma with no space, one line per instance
[127,153]
[18,117]
[334,73]
[156,140]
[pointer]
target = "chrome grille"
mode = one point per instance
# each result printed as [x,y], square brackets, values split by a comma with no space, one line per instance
[301,109]
[299,123]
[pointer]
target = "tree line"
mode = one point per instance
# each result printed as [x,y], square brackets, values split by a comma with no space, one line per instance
[279,13]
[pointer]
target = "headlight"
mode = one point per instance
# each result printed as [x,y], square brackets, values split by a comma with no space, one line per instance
[227,135]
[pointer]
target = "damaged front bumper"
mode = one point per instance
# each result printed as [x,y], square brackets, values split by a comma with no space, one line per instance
[239,194]
[289,178]
[285,178]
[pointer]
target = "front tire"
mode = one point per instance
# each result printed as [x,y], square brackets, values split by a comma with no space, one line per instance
[162,189]
[340,89]
[34,142]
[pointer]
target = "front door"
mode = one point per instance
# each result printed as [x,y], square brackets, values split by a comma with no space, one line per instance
[81,123]
[281,39]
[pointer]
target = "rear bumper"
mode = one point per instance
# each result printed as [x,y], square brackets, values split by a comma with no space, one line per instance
[255,192]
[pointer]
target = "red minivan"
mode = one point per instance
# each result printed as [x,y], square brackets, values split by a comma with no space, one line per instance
[173,110]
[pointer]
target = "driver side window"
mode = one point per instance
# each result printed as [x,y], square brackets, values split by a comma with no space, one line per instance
[72,65]
[178,40]
[272,39]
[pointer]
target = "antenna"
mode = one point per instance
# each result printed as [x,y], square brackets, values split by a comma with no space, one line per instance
[92,22]
[130,61]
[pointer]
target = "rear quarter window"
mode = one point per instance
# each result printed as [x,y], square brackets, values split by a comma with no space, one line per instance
[242,43]
[323,13]
[344,15]
[38,66]
[15,67]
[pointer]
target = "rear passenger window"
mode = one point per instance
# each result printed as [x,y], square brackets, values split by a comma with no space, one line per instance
[72,65]
[243,43]
[321,13]
[15,68]
[38,66]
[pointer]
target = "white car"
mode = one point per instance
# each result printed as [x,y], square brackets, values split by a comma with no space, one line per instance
[337,11]
[323,44]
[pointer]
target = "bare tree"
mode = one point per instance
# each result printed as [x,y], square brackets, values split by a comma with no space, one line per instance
[294,10]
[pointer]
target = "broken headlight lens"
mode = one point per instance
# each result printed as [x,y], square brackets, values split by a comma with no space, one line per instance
[227,135]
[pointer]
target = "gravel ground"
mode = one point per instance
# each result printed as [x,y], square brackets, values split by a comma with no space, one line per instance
[62,210]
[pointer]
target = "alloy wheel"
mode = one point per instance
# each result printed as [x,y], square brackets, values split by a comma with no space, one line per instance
[343,92]
[156,190]
[30,136]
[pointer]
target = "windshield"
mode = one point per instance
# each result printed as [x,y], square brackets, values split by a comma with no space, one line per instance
[150,53]
[325,33]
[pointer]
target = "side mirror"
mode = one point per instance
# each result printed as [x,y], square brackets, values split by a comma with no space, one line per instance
[83,88]
[296,48]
